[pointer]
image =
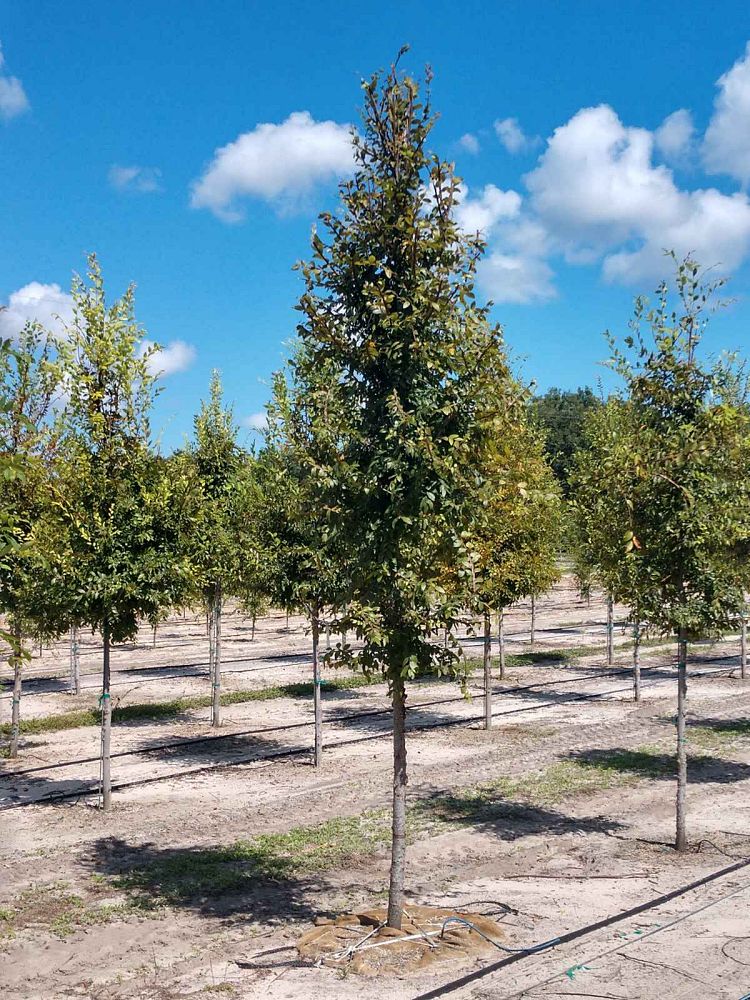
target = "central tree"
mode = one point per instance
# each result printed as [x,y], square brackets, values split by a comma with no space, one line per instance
[403,387]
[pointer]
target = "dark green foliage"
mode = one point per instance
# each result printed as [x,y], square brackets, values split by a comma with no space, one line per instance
[562,414]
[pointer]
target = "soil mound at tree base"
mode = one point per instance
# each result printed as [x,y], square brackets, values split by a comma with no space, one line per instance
[361,943]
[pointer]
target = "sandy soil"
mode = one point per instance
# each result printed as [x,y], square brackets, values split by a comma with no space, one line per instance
[543,870]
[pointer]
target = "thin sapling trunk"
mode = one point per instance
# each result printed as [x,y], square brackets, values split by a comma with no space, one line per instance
[106,703]
[533,620]
[16,661]
[216,688]
[398,841]
[317,704]
[75,661]
[501,641]
[681,835]
[637,661]
[487,671]
[743,644]
[610,631]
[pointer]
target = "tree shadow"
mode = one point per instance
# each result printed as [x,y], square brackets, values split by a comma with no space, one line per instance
[725,727]
[703,769]
[224,749]
[507,819]
[247,878]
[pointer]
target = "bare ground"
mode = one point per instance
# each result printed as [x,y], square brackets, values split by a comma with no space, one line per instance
[544,858]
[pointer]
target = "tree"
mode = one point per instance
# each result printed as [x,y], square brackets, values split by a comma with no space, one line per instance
[419,389]
[214,462]
[114,534]
[30,383]
[302,571]
[517,533]
[665,491]
[562,415]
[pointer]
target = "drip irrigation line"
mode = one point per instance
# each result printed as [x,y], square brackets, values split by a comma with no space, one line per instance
[290,752]
[342,717]
[287,752]
[605,922]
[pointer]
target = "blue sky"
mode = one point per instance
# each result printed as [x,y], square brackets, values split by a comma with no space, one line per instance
[589,137]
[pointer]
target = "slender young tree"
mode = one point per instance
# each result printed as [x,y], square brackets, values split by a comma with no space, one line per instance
[666,490]
[302,571]
[29,384]
[516,534]
[420,389]
[215,461]
[113,536]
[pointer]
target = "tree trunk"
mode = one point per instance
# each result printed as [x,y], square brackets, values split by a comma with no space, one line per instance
[317,705]
[533,620]
[637,661]
[487,671]
[743,645]
[252,634]
[681,835]
[153,638]
[75,662]
[610,631]
[106,702]
[501,640]
[328,637]
[216,683]
[15,711]
[398,841]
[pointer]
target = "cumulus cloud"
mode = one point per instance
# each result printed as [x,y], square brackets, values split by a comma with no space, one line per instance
[278,163]
[674,137]
[256,421]
[512,136]
[726,144]
[596,189]
[516,278]
[13,99]
[176,356]
[480,214]
[46,304]
[469,143]
[143,180]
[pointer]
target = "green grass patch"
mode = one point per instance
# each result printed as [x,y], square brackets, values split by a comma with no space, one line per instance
[54,907]
[718,734]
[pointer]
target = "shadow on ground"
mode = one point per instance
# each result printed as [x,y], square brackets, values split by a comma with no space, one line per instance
[243,878]
[650,764]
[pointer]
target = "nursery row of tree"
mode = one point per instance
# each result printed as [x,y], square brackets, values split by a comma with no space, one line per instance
[402,489]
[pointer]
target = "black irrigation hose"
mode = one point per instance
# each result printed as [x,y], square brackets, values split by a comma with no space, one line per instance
[288,752]
[633,911]
[301,751]
[343,717]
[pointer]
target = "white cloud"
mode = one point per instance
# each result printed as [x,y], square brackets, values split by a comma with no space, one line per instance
[674,137]
[256,421]
[13,99]
[512,136]
[469,143]
[726,145]
[480,214]
[144,180]
[597,192]
[278,163]
[176,356]
[47,304]
[516,278]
